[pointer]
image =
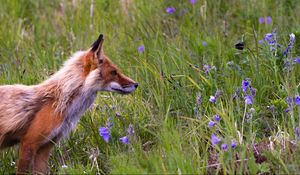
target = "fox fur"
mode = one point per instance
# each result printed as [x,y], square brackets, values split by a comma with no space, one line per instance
[38,116]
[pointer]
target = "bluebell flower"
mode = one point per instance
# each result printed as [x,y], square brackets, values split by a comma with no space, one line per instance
[248,100]
[290,45]
[289,101]
[233,144]
[297,132]
[261,42]
[211,124]
[130,130]
[104,133]
[297,60]
[252,91]
[245,85]
[269,20]
[193,2]
[204,43]
[198,99]
[269,37]
[224,147]
[124,140]
[170,10]
[261,20]
[217,117]
[141,48]
[297,100]
[212,99]
[215,140]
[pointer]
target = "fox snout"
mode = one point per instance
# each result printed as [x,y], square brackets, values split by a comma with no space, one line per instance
[125,89]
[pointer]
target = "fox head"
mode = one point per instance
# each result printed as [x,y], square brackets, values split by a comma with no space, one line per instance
[102,74]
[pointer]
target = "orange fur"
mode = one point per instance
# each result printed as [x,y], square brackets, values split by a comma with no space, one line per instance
[38,116]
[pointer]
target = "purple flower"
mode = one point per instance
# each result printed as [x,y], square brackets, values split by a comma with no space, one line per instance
[217,118]
[141,48]
[198,99]
[204,43]
[252,91]
[215,140]
[124,140]
[170,10]
[261,42]
[245,85]
[261,20]
[207,68]
[212,99]
[193,2]
[269,37]
[224,147]
[297,132]
[248,100]
[130,130]
[104,133]
[269,20]
[297,60]
[211,124]
[297,100]
[289,101]
[233,144]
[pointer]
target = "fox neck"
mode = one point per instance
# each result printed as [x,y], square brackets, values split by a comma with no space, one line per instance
[68,88]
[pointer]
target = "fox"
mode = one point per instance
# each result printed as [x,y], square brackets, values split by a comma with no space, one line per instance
[37,116]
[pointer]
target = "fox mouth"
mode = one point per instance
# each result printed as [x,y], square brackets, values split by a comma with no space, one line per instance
[121,91]
[116,87]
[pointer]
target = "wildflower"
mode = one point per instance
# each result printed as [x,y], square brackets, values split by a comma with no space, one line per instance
[207,68]
[245,85]
[248,100]
[130,130]
[198,99]
[261,20]
[215,140]
[170,10]
[261,42]
[252,91]
[141,48]
[297,100]
[104,133]
[297,132]
[290,45]
[270,38]
[297,60]
[217,118]
[233,144]
[212,99]
[124,140]
[204,43]
[224,147]
[211,124]
[288,100]
[269,20]
[193,2]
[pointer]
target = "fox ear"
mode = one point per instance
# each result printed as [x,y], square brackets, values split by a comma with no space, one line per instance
[97,48]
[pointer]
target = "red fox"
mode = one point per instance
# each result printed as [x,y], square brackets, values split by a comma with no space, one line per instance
[40,115]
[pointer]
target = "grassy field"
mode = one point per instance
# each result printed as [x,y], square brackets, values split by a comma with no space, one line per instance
[218,86]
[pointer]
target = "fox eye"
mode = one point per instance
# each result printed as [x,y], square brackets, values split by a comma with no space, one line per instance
[113,73]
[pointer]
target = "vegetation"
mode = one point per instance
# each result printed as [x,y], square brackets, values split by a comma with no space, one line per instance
[218,86]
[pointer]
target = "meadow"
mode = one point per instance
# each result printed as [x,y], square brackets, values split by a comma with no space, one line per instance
[218,83]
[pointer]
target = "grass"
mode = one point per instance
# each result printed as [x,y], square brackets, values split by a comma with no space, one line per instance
[171,128]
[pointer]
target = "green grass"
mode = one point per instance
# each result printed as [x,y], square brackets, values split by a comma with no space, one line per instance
[171,128]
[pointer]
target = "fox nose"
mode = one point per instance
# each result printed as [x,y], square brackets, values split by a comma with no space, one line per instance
[136,85]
